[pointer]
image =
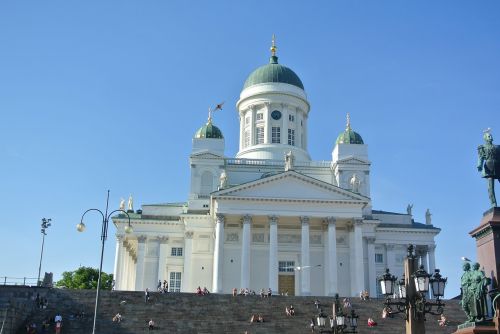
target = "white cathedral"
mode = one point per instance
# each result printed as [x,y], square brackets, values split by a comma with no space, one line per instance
[270,217]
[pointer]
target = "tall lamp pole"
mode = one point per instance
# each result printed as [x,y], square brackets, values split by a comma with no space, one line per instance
[104,234]
[44,226]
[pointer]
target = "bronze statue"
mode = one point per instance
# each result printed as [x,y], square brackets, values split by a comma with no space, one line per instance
[480,290]
[465,289]
[474,293]
[489,164]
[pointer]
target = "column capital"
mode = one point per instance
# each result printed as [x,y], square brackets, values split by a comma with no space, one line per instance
[142,238]
[357,221]
[304,220]
[331,220]
[219,218]
[370,240]
[273,219]
[431,248]
[188,234]
[247,219]
[162,239]
[120,237]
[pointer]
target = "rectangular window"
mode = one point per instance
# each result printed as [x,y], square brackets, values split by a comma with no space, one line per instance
[175,282]
[260,116]
[176,251]
[291,118]
[379,258]
[275,135]
[259,135]
[291,137]
[246,142]
[286,266]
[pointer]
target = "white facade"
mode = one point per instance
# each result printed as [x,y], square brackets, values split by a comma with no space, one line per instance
[261,220]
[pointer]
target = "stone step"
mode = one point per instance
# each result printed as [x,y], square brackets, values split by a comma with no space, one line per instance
[189,313]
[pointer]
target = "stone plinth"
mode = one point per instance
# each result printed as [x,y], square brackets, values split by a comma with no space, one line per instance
[487,236]
[479,328]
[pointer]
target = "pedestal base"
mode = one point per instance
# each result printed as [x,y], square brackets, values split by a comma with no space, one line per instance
[476,328]
[487,236]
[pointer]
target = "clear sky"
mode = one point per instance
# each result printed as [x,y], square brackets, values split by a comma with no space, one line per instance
[98,95]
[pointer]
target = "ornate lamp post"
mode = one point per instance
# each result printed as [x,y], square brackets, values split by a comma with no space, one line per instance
[338,321]
[412,291]
[44,226]
[104,234]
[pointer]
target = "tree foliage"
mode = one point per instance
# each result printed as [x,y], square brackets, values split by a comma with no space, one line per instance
[85,278]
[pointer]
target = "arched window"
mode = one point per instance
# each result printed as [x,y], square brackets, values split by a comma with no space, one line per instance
[207,183]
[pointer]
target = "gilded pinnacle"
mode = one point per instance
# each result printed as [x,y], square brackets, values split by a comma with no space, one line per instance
[273,46]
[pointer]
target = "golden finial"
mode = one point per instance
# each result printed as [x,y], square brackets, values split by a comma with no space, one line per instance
[273,46]
[209,115]
[218,106]
[348,125]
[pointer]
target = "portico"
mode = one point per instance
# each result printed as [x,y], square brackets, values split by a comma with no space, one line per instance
[278,228]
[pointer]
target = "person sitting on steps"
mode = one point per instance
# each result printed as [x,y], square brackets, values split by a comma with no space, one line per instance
[117,318]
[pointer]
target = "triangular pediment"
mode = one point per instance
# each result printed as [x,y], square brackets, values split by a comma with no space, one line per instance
[290,185]
[206,155]
[353,161]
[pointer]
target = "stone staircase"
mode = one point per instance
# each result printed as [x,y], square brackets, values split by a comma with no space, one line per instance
[189,313]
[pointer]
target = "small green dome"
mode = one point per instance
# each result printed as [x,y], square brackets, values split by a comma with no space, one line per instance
[273,72]
[349,136]
[209,131]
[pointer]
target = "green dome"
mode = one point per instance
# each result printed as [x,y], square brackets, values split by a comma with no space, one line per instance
[349,136]
[209,131]
[273,72]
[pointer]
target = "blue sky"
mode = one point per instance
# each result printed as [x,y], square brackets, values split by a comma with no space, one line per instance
[101,95]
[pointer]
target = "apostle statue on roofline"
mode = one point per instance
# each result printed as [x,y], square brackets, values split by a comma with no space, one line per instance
[489,163]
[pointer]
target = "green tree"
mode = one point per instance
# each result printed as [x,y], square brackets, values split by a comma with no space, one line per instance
[85,278]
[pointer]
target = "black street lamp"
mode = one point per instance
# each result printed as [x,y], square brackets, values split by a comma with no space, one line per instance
[104,234]
[338,321]
[412,292]
[44,226]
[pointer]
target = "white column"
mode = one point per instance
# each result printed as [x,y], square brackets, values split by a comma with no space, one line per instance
[245,252]
[372,274]
[123,272]
[139,269]
[162,257]
[389,248]
[306,271]
[332,275]
[432,258]
[359,278]
[273,254]
[127,281]
[188,251]
[218,254]
[118,261]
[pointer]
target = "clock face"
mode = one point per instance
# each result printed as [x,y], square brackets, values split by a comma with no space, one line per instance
[276,115]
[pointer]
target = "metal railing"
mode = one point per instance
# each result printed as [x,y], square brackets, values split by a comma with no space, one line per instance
[23,281]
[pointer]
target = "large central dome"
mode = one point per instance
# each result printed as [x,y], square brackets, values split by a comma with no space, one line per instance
[273,72]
